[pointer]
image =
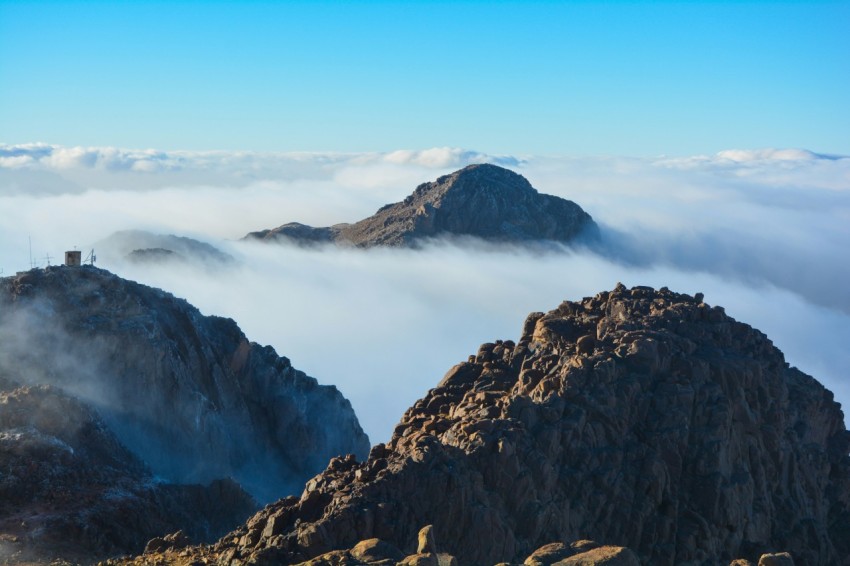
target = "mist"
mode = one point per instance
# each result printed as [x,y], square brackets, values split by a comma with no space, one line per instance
[763,233]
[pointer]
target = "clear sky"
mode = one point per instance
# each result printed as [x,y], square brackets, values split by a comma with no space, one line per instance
[636,78]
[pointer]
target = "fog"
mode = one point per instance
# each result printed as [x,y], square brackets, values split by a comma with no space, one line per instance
[763,233]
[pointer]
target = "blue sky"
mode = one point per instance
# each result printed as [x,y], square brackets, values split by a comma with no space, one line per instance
[636,78]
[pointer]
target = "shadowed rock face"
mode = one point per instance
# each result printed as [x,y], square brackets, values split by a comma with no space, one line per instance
[640,418]
[187,393]
[482,201]
[69,488]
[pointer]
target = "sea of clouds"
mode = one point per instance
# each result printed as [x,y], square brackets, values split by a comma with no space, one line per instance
[764,233]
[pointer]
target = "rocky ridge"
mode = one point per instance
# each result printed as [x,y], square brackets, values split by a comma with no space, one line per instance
[186,393]
[481,201]
[645,419]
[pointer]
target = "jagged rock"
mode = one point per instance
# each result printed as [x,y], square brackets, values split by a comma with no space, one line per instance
[174,541]
[374,550]
[548,554]
[482,201]
[70,490]
[427,543]
[682,435]
[187,393]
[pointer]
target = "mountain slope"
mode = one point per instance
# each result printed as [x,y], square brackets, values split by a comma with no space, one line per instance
[70,490]
[482,201]
[187,393]
[639,418]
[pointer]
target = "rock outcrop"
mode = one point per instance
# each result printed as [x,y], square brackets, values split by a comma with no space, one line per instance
[70,490]
[186,393]
[140,246]
[645,419]
[480,201]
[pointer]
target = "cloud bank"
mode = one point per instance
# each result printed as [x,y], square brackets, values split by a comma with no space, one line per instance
[763,233]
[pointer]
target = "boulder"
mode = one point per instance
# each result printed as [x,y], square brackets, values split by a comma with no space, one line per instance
[602,556]
[548,554]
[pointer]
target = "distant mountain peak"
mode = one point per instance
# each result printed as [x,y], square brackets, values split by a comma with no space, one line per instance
[477,177]
[482,201]
[494,175]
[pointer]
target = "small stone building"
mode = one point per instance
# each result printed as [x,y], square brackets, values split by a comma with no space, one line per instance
[74,258]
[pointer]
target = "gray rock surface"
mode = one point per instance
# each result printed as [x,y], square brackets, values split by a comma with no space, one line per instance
[187,393]
[143,246]
[154,255]
[681,434]
[481,201]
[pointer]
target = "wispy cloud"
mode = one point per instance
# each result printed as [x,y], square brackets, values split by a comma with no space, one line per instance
[240,164]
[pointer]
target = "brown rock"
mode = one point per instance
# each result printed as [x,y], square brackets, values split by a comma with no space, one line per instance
[333,558]
[602,556]
[421,559]
[373,550]
[549,554]
[583,545]
[174,541]
[426,542]
[586,343]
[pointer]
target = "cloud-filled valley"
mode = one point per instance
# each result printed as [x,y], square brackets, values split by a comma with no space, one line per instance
[763,233]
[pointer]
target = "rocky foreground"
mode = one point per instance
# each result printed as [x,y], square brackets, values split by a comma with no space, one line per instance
[638,418]
[70,489]
[481,201]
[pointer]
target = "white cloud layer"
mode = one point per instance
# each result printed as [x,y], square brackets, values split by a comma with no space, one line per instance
[764,233]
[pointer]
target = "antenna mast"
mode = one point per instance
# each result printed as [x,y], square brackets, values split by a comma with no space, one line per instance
[91,258]
[31,263]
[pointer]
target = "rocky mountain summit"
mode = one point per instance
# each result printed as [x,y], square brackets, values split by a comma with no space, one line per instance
[638,418]
[187,394]
[140,246]
[481,201]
